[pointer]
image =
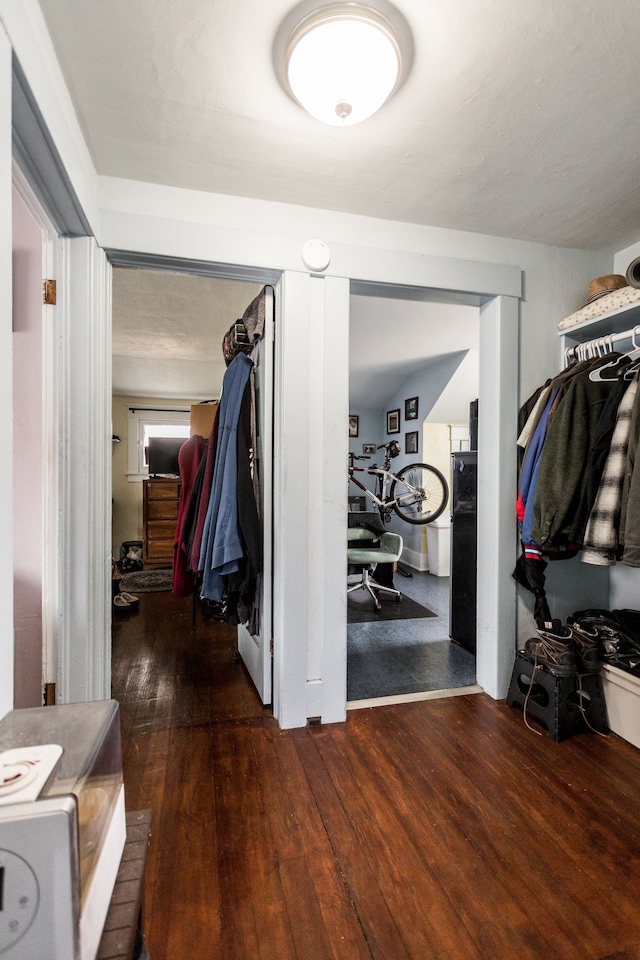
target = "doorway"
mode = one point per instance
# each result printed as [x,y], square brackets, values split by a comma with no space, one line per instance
[168,366]
[413,373]
[166,353]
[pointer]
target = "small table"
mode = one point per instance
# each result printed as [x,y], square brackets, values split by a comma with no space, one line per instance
[122,933]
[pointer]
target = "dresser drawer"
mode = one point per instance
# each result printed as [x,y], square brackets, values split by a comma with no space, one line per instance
[159,550]
[162,510]
[161,530]
[162,490]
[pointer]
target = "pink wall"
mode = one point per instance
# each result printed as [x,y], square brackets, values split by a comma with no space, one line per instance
[27,454]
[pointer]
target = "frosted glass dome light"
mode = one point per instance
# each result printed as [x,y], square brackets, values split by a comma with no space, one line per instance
[343,62]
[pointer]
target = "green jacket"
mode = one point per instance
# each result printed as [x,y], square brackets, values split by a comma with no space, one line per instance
[565,456]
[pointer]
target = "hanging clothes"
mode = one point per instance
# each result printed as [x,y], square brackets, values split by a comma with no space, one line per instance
[222,548]
[630,507]
[191,512]
[536,419]
[242,586]
[600,544]
[565,455]
[598,453]
[189,457]
[194,537]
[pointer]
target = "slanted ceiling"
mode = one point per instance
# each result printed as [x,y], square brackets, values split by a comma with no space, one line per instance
[168,330]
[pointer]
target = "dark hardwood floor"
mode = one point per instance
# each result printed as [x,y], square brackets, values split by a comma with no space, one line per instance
[438,829]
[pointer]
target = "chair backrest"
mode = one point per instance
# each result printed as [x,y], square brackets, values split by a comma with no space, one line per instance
[388,549]
[391,543]
[361,533]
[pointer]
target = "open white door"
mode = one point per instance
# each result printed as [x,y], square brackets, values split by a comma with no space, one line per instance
[256,650]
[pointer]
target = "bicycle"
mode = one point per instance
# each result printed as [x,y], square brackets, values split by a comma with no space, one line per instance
[418,493]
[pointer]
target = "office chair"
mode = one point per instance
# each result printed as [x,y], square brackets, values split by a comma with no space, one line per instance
[367,556]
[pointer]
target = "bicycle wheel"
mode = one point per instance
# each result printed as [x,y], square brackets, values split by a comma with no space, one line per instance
[420,493]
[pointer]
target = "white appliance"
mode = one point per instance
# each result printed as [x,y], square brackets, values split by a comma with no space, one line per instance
[62,828]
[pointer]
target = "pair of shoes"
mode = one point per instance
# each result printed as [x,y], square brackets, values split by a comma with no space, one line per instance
[125,601]
[553,649]
[587,648]
[129,597]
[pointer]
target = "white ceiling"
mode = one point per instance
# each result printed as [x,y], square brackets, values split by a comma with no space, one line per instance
[168,330]
[518,119]
[390,340]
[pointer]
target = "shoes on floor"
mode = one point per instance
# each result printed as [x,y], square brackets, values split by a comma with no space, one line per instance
[129,597]
[125,601]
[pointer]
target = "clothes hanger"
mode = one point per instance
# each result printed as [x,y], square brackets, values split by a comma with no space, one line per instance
[620,365]
[632,369]
[611,370]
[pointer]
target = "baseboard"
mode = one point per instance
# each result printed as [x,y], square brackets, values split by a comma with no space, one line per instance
[415,560]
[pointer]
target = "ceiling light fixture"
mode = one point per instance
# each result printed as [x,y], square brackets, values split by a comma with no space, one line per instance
[343,60]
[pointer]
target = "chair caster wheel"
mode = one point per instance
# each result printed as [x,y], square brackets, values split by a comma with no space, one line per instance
[377,607]
[398,599]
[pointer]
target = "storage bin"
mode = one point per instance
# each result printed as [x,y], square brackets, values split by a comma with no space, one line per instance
[439,545]
[622,697]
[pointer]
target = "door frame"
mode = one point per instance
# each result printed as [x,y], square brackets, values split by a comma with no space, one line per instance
[256,650]
[47,456]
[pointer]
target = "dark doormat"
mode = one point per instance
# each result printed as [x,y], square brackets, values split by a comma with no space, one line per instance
[361,610]
[146,581]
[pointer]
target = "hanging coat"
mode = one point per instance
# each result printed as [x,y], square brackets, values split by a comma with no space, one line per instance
[189,457]
[222,547]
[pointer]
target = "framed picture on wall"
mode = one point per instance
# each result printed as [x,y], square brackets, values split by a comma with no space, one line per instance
[353,425]
[411,408]
[411,442]
[369,448]
[393,421]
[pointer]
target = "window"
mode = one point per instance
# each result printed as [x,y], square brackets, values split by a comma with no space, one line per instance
[145,422]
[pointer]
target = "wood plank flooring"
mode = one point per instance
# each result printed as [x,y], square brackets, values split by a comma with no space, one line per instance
[441,829]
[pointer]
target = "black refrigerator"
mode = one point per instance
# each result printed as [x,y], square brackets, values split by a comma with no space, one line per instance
[464,567]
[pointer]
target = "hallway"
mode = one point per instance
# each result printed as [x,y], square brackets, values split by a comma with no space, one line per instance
[436,829]
[395,657]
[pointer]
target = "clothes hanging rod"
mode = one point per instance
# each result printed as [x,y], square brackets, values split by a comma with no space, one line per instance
[600,346]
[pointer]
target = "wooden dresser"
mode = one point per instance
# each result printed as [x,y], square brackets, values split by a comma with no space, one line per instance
[160,499]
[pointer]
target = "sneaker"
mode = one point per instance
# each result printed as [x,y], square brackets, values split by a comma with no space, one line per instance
[553,650]
[587,648]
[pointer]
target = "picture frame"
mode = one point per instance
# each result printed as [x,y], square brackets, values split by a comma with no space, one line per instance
[369,448]
[411,408]
[354,422]
[393,421]
[411,442]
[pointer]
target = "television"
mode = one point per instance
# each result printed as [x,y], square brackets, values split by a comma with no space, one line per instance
[162,456]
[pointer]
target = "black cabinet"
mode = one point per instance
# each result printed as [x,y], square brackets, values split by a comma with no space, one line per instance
[464,567]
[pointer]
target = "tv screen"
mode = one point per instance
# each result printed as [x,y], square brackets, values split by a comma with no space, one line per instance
[162,456]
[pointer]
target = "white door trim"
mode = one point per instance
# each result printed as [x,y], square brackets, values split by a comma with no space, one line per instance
[85,474]
[49,455]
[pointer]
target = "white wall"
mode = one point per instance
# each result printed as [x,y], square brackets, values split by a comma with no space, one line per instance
[452,406]
[6,380]
[370,431]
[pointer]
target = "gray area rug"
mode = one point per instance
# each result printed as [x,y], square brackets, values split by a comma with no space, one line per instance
[361,610]
[146,581]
